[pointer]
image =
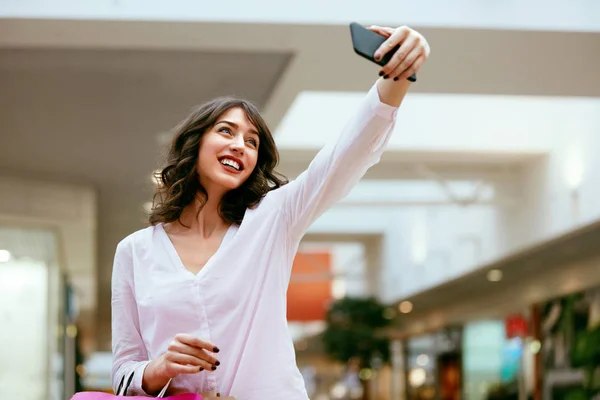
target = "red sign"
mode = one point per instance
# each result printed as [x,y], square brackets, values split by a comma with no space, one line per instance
[516,326]
[309,292]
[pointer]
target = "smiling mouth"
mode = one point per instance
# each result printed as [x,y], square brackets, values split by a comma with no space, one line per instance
[231,163]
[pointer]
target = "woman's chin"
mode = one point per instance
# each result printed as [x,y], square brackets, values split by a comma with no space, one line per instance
[230,183]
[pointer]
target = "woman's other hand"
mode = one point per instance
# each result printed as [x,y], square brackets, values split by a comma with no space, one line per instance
[186,354]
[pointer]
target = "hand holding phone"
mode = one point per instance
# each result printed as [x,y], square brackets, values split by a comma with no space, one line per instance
[400,51]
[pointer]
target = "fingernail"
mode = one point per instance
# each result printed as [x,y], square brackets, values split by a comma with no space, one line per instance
[396,78]
[201,369]
[217,363]
[385,77]
[216,350]
[213,368]
[377,56]
[381,73]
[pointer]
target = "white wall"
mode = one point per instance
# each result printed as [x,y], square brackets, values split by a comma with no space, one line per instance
[578,15]
[421,246]
[440,122]
[562,192]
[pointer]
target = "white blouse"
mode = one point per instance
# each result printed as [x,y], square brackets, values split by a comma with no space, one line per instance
[238,300]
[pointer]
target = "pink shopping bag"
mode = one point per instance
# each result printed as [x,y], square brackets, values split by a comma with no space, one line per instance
[108,396]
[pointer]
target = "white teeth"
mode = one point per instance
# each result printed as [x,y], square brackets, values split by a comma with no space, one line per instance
[231,163]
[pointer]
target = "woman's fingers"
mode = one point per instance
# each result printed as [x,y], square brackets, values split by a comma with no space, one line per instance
[398,36]
[178,347]
[186,360]
[411,52]
[196,342]
[405,64]
[406,48]
[413,68]
[383,31]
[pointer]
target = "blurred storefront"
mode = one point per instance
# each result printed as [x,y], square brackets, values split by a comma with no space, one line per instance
[37,314]
[570,345]
[434,365]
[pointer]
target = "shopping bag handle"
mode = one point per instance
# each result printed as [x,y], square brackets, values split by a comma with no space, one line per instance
[123,387]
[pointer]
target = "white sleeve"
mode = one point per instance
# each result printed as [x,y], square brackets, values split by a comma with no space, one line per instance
[129,353]
[340,165]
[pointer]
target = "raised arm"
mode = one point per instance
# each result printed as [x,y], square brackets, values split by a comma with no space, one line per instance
[340,165]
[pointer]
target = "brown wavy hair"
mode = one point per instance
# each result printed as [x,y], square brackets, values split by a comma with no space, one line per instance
[179,183]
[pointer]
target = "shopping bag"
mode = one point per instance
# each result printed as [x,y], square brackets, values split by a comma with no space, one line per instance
[123,388]
[108,396]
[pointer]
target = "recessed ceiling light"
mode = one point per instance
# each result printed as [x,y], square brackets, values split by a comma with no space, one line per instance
[405,307]
[422,360]
[494,275]
[5,256]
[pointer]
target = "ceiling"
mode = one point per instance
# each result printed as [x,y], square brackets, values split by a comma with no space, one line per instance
[90,101]
[565,264]
[95,116]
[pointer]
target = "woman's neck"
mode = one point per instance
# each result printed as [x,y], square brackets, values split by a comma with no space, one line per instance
[202,216]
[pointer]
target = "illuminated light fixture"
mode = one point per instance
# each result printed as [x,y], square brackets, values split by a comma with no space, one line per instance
[365,374]
[80,369]
[339,391]
[405,307]
[5,256]
[155,177]
[417,377]
[148,207]
[419,248]
[338,289]
[71,331]
[422,360]
[494,275]
[574,167]
[535,346]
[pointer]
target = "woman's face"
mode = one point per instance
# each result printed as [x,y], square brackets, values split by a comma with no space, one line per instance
[228,152]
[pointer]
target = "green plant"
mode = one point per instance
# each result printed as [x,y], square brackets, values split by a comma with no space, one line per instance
[352,331]
[586,355]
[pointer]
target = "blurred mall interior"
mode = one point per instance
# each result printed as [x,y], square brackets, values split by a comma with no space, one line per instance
[473,240]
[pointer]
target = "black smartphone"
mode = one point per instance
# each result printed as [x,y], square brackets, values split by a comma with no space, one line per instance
[366,42]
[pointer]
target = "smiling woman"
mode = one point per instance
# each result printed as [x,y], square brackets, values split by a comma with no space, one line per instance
[201,141]
[199,297]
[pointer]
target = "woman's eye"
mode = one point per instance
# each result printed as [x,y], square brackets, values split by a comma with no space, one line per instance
[225,130]
[252,142]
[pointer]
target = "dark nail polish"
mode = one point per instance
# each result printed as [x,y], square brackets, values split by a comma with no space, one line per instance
[201,369]
[216,350]
[381,73]
[213,368]
[396,78]
[217,363]
[385,77]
